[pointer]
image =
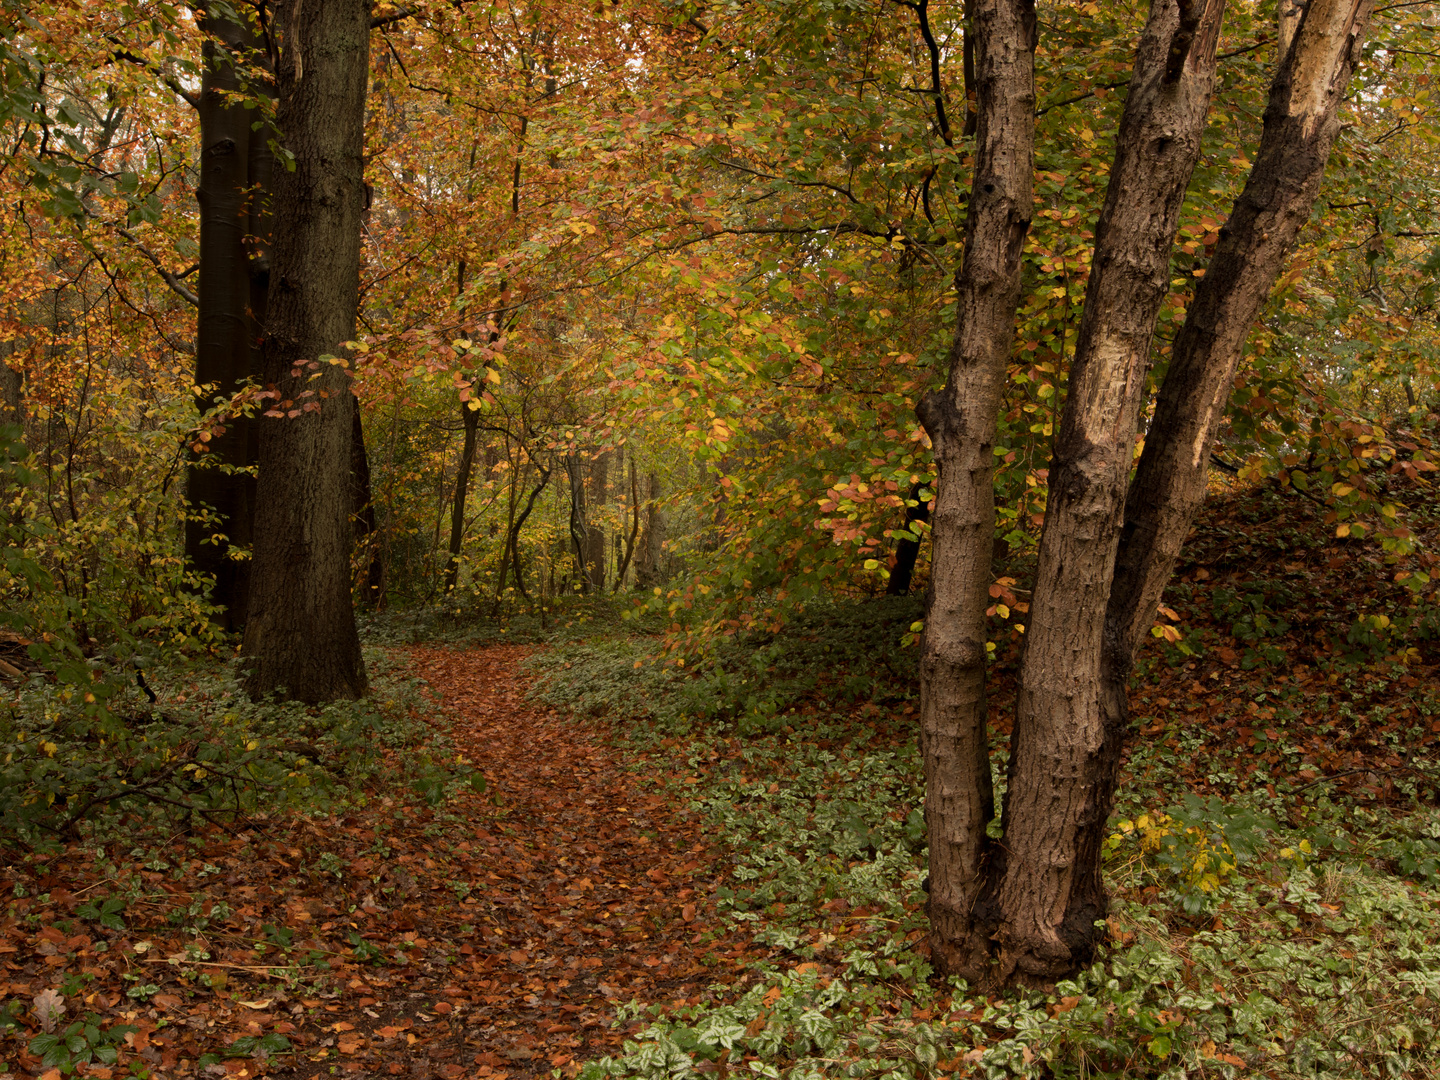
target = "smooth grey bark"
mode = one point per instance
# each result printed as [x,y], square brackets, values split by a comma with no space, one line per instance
[961,421]
[510,557]
[1044,890]
[12,384]
[575,473]
[300,637]
[236,167]
[634,528]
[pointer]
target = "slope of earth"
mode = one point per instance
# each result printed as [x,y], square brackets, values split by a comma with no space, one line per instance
[1304,661]
[490,935]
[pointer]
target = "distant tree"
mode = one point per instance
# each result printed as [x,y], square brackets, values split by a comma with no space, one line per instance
[236,165]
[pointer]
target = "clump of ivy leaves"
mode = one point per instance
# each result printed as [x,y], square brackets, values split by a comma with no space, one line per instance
[1289,931]
[145,725]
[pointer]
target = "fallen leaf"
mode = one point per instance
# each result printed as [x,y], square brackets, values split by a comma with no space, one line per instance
[49,1007]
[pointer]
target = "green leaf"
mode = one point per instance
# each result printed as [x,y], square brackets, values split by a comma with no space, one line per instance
[43,1044]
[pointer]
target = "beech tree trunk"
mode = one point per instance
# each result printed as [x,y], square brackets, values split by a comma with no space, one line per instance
[634,529]
[300,638]
[961,419]
[12,384]
[511,555]
[1301,123]
[235,178]
[575,473]
[1044,884]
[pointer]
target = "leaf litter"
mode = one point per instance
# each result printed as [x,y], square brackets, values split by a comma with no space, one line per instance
[493,935]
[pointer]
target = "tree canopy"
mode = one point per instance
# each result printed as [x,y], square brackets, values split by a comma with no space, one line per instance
[719,316]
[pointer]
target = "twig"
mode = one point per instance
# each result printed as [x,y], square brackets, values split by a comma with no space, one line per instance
[171,279]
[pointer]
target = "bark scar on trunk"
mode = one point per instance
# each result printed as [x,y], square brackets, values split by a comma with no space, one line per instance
[942,421]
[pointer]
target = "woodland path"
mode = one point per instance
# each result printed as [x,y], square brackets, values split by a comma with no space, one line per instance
[490,937]
[587,890]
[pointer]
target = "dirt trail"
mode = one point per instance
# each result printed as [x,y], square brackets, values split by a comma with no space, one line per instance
[492,937]
[588,890]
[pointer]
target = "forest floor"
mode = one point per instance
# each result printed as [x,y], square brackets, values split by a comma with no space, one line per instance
[672,871]
[489,939]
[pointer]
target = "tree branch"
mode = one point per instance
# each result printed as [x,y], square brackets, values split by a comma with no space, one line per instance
[1126,81]
[171,279]
[398,15]
[922,13]
[121,53]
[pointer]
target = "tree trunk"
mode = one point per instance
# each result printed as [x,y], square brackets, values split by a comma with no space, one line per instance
[12,385]
[1301,122]
[907,552]
[961,419]
[369,582]
[634,529]
[574,471]
[594,532]
[471,420]
[652,542]
[300,638]
[235,179]
[1044,892]
[512,536]
[516,476]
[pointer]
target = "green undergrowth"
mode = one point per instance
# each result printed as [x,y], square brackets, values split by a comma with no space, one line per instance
[123,719]
[827,656]
[204,752]
[478,623]
[1263,924]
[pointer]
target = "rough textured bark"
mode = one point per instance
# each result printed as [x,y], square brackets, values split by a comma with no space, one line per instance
[1301,123]
[960,420]
[235,177]
[1048,892]
[300,635]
